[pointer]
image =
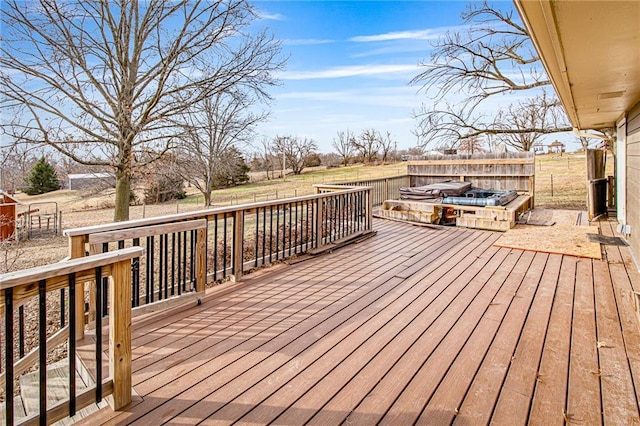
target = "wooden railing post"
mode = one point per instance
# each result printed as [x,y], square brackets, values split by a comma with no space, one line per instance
[238,241]
[77,250]
[386,190]
[369,208]
[201,259]
[318,220]
[120,334]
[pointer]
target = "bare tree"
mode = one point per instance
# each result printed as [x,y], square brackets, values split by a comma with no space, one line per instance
[534,117]
[493,56]
[211,128]
[368,144]
[267,157]
[343,144]
[106,80]
[386,144]
[471,145]
[295,150]
[15,163]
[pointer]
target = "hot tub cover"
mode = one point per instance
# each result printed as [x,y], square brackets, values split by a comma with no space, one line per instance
[434,192]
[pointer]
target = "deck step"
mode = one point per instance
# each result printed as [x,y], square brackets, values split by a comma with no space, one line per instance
[57,390]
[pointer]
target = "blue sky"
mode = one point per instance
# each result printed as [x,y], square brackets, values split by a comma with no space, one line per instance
[350,63]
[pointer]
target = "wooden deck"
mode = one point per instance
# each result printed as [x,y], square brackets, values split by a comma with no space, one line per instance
[414,325]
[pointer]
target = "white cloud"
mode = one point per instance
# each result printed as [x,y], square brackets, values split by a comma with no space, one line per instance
[270,16]
[428,34]
[349,71]
[306,41]
[394,96]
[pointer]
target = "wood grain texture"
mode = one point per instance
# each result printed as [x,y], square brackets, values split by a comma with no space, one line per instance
[145,231]
[120,334]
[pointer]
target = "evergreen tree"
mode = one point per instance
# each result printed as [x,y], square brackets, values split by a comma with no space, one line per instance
[42,178]
[232,169]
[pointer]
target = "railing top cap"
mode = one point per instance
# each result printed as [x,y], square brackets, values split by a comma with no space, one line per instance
[198,214]
[31,275]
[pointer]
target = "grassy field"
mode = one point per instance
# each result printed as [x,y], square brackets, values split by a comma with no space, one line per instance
[293,186]
[561,180]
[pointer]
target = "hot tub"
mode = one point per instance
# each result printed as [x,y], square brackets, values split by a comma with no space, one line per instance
[482,197]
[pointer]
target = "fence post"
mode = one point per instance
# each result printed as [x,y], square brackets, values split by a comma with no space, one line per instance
[237,251]
[201,259]
[76,250]
[120,334]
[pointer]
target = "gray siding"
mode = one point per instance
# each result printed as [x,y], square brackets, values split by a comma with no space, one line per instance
[633,178]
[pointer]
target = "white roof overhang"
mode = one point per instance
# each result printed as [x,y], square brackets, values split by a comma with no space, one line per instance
[591,51]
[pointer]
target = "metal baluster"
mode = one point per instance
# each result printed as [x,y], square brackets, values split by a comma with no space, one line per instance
[135,277]
[179,257]
[42,349]
[277,233]
[72,344]
[105,285]
[21,331]
[173,265]
[98,334]
[215,248]
[264,233]
[8,350]
[255,264]
[151,276]
[340,233]
[290,227]
[233,249]
[147,278]
[160,266]
[295,233]
[224,254]
[166,265]
[184,260]
[270,232]
[62,307]
[192,261]
[312,226]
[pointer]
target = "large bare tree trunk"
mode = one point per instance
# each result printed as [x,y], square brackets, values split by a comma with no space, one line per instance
[123,193]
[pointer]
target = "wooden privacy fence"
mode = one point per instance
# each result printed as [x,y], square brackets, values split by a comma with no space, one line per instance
[185,251]
[508,171]
[31,288]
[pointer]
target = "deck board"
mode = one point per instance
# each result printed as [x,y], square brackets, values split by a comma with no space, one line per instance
[422,325]
[618,396]
[584,399]
[517,390]
[551,386]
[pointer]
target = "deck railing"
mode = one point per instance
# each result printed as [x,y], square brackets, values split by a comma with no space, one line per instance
[382,189]
[32,288]
[185,251]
